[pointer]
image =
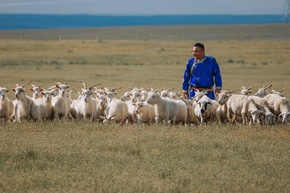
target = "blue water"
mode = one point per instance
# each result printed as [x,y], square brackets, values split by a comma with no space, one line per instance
[31,21]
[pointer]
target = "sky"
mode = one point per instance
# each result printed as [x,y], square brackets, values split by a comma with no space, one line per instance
[142,7]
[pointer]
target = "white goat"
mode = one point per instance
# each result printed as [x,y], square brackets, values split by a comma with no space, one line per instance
[263,91]
[116,110]
[110,93]
[191,116]
[61,108]
[23,103]
[206,109]
[36,91]
[246,91]
[145,93]
[130,101]
[101,106]
[279,106]
[240,105]
[222,99]
[166,93]
[182,114]
[278,92]
[165,109]
[6,105]
[41,108]
[85,106]
[263,105]
[126,96]
[73,106]
[145,112]
[135,95]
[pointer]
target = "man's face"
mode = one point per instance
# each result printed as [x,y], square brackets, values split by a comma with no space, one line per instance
[197,53]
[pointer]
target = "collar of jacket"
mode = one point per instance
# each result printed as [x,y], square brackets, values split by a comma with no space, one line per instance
[197,62]
[200,61]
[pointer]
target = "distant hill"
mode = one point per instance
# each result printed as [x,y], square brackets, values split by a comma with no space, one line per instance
[38,21]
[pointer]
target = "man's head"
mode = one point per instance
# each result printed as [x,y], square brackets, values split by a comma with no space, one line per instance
[198,51]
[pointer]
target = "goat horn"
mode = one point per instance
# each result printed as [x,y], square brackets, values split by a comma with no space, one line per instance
[85,86]
[267,86]
[140,87]
[26,84]
[52,87]
[159,90]
[282,89]
[41,85]
[231,91]
[94,85]
[113,89]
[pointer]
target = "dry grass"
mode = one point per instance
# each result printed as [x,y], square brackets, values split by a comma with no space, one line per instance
[90,157]
[128,63]
[79,156]
[167,33]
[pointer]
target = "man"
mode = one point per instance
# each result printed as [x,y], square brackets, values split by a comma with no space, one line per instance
[201,74]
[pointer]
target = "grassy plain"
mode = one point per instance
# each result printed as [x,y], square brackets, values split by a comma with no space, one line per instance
[79,156]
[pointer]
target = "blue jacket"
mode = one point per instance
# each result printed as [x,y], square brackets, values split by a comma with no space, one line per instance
[203,74]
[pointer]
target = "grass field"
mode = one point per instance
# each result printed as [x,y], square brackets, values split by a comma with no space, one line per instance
[80,156]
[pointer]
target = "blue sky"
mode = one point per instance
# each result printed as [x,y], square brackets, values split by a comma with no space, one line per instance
[142,7]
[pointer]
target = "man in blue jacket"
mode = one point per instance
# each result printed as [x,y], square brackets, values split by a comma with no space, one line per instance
[201,74]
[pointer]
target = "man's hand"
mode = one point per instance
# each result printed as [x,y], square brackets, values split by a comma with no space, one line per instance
[217,91]
[185,94]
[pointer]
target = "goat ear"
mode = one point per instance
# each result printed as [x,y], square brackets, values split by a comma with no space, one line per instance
[209,103]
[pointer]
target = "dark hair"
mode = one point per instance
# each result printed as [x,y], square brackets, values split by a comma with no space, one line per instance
[200,45]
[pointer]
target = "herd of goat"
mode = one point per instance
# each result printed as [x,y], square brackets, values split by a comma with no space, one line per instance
[143,106]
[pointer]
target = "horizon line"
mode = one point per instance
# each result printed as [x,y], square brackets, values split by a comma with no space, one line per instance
[87,14]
